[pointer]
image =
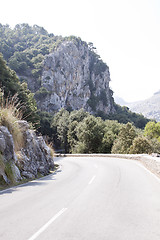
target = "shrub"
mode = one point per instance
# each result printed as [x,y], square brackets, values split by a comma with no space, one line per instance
[52,152]
[125,139]
[41,93]
[9,173]
[141,145]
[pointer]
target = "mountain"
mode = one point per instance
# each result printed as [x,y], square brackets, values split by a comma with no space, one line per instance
[120,100]
[150,108]
[62,72]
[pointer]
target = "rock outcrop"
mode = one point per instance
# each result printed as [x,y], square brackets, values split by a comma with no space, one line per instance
[35,156]
[74,77]
[7,155]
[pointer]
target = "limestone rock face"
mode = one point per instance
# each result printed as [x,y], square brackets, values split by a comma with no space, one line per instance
[35,156]
[74,77]
[7,154]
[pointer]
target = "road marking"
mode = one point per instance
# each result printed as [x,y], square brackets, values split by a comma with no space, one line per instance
[42,229]
[92,180]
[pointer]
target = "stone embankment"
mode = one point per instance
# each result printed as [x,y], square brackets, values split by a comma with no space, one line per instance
[33,158]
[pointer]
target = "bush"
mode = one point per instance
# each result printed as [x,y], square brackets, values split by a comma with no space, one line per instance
[90,134]
[125,139]
[52,152]
[152,130]
[41,93]
[141,145]
[9,173]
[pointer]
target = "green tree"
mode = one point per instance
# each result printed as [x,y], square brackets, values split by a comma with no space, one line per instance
[72,136]
[141,145]
[60,124]
[11,85]
[125,139]
[75,118]
[155,145]
[124,115]
[152,130]
[111,131]
[90,134]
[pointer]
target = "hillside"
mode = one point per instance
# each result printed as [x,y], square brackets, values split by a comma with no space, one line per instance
[62,72]
[150,108]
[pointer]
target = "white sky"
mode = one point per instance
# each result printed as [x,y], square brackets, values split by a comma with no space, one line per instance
[126,34]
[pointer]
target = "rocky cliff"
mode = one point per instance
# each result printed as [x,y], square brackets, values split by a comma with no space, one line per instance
[74,77]
[62,71]
[35,156]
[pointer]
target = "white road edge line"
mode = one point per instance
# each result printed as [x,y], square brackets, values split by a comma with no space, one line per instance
[92,180]
[42,229]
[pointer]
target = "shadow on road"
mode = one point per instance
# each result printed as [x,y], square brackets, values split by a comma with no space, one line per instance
[32,183]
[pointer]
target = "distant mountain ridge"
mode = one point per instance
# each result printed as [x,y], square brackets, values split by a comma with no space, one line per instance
[150,107]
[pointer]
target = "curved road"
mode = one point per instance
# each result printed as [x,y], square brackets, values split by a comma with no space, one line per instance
[89,198]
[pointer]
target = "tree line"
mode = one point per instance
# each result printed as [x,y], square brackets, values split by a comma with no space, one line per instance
[81,132]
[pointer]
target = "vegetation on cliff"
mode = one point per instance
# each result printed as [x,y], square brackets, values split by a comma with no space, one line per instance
[10,85]
[24,48]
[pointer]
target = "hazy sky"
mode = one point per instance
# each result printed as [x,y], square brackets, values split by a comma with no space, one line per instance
[126,34]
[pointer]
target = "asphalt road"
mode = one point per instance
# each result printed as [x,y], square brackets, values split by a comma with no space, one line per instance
[87,199]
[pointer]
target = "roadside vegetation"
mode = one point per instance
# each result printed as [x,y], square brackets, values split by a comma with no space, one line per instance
[81,132]
[10,113]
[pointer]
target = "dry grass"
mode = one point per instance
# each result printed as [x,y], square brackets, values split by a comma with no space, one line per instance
[10,113]
[51,149]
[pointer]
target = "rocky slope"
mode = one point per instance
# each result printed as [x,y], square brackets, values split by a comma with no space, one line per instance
[150,108]
[35,156]
[74,77]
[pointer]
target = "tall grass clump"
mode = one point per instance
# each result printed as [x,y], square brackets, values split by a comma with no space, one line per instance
[52,152]
[10,113]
